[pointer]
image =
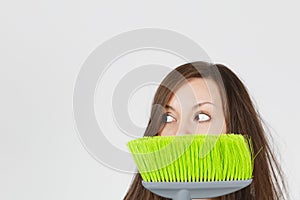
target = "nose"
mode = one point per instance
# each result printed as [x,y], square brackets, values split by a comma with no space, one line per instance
[186,127]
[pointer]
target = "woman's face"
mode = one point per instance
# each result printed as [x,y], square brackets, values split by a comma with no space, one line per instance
[196,108]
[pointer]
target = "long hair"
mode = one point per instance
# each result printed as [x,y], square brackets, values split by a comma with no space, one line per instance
[240,117]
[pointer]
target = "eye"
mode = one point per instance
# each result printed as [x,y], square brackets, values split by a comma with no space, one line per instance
[168,118]
[202,117]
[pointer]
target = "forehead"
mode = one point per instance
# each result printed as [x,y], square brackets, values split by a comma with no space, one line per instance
[196,90]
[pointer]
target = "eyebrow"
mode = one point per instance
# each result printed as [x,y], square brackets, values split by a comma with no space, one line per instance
[194,107]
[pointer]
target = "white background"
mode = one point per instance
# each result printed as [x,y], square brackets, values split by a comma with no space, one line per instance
[44,43]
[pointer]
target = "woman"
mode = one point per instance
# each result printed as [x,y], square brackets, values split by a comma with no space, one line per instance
[225,107]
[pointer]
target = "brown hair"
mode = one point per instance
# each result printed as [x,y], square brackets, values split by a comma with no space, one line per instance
[240,116]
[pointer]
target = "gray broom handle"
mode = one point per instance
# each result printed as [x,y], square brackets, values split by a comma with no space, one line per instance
[183,195]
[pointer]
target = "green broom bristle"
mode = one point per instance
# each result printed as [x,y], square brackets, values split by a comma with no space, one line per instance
[193,158]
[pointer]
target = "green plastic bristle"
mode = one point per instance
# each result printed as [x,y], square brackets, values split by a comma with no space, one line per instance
[193,158]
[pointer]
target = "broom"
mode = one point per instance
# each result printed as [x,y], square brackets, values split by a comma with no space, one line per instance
[194,166]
